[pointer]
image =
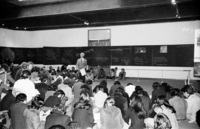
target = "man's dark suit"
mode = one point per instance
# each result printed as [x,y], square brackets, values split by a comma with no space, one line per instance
[57,119]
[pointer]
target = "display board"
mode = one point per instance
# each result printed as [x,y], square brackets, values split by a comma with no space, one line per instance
[101,56]
[51,55]
[158,55]
[163,56]
[68,55]
[184,55]
[141,55]
[120,55]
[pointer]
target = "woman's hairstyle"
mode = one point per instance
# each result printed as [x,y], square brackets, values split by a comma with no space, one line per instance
[37,103]
[57,127]
[20,98]
[161,121]
[166,103]
[73,125]
[175,92]
[103,83]
[111,100]
[137,105]
[188,89]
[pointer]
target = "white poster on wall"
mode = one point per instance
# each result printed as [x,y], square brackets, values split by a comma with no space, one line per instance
[197,53]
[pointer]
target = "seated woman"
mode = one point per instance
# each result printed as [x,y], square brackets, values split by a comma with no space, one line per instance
[101,74]
[136,113]
[162,106]
[112,74]
[32,118]
[89,75]
[110,116]
[122,74]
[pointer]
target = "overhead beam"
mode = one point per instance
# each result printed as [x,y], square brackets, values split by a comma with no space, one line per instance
[81,6]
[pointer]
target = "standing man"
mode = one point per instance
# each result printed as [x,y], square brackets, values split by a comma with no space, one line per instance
[81,65]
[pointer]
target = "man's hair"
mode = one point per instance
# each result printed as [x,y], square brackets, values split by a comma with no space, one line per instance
[103,83]
[129,84]
[57,127]
[117,82]
[25,74]
[59,92]
[188,89]
[37,102]
[20,98]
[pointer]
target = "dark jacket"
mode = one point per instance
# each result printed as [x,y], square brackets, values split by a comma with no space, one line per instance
[122,103]
[156,93]
[136,123]
[52,101]
[7,101]
[17,116]
[42,88]
[84,117]
[57,119]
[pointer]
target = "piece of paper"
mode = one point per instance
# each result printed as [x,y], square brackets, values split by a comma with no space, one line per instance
[83,72]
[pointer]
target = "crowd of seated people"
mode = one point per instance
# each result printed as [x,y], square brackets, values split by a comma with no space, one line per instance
[41,98]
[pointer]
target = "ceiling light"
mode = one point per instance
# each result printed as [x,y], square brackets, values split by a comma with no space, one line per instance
[86,23]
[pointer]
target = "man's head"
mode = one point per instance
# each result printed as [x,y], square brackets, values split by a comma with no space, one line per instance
[26,74]
[82,54]
[30,65]
[21,98]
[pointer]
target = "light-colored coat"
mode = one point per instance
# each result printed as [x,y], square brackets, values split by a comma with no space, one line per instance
[81,64]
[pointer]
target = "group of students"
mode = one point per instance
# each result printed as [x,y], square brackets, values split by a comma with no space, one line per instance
[40,98]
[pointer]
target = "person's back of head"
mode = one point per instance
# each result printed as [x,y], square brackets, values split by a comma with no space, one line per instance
[156,85]
[89,82]
[86,87]
[117,83]
[59,93]
[130,84]
[188,89]
[175,92]
[119,91]
[161,121]
[103,83]
[21,98]
[26,74]
[37,103]
[57,127]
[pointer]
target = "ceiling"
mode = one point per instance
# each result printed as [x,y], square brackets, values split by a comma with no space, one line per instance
[72,14]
